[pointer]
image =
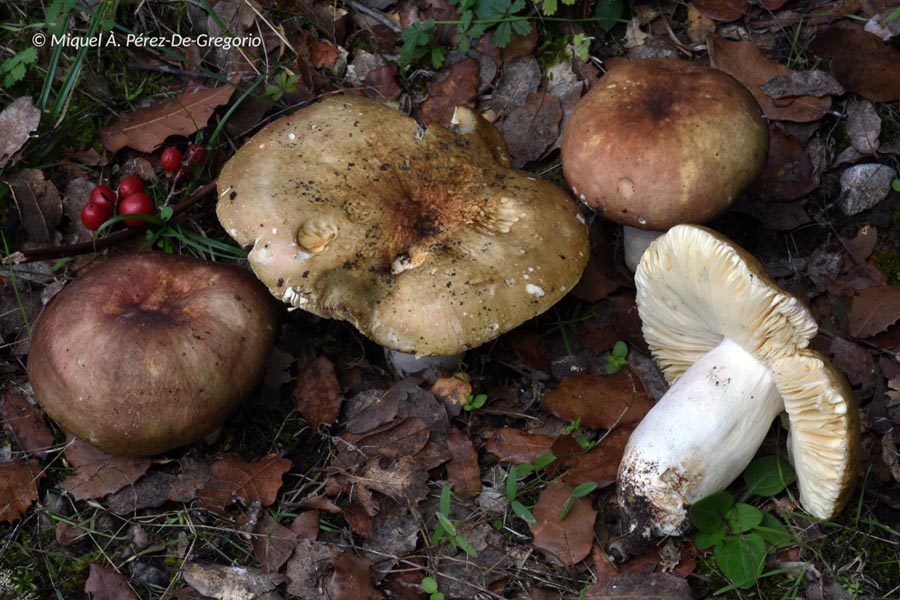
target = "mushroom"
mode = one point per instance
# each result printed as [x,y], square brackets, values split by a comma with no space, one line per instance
[657,142]
[422,239]
[734,347]
[149,352]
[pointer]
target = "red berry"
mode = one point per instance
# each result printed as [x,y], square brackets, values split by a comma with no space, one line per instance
[194,155]
[170,159]
[130,185]
[104,197]
[136,204]
[93,216]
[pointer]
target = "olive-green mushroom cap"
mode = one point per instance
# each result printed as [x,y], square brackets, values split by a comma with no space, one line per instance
[422,239]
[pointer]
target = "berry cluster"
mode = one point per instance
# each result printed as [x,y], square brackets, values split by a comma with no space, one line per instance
[179,166]
[128,199]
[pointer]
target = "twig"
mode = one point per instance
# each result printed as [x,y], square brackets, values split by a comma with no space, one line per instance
[52,252]
[375,14]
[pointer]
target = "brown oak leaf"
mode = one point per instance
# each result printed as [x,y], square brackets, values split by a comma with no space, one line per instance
[147,128]
[600,401]
[874,310]
[25,423]
[233,479]
[18,488]
[566,541]
[516,446]
[107,584]
[318,392]
[98,473]
[463,471]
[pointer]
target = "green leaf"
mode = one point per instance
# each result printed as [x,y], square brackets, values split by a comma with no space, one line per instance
[543,461]
[438,534]
[436,596]
[446,523]
[548,8]
[620,349]
[894,14]
[567,507]
[743,517]
[708,514]
[521,26]
[429,585]
[512,484]
[704,540]
[741,558]
[584,489]
[523,513]
[768,476]
[895,184]
[445,500]
[608,13]
[503,34]
[773,531]
[466,546]
[166,212]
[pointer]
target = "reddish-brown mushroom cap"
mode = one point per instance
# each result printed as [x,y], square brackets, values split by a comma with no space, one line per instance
[658,142]
[420,238]
[149,352]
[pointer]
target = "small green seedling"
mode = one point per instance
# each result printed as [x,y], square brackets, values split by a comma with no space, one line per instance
[282,84]
[740,534]
[512,485]
[430,587]
[575,430]
[617,358]
[895,184]
[446,528]
[579,492]
[474,402]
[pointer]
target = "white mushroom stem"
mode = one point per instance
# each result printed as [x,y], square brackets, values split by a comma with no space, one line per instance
[698,438]
[407,363]
[636,241]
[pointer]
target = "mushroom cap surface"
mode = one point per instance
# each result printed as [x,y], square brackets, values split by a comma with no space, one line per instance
[695,288]
[421,239]
[656,142]
[149,352]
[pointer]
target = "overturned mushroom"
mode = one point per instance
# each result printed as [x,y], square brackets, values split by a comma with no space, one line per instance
[149,352]
[657,142]
[734,346]
[422,239]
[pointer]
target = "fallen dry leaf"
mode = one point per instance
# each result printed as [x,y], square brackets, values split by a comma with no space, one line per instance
[568,541]
[38,204]
[107,584]
[352,578]
[864,186]
[862,244]
[517,447]
[402,437]
[232,479]
[98,473]
[745,62]
[861,61]
[18,488]
[600,464]
[532,127]
[147,128]
[803,83]
[600,277]
[874,310]
[454,392]
[599,401]
[318,392]
[721,10]
[306,525]
[25,423]
[307,569]
[788,173]
[229,583]
[641,586]
[855,363]
[272,543]
[17,121]
[381,83]
[457,87]
[863,126]
[157,487]
[463,471]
